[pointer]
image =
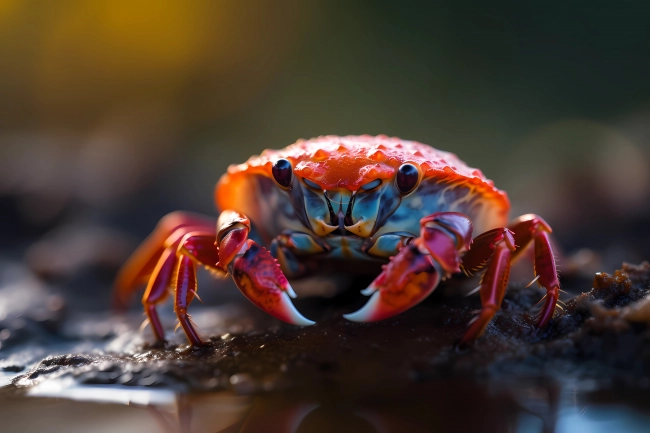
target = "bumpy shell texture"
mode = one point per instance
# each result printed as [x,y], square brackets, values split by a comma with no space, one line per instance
[353,161]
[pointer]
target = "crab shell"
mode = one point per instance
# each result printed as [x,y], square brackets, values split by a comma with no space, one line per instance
[334,162]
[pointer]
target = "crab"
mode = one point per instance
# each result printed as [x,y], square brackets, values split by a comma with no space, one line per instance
[401,209]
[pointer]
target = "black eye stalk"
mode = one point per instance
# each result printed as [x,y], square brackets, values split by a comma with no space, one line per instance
[407,178]
[282,172]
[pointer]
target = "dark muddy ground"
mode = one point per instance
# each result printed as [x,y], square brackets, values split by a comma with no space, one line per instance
[589,369]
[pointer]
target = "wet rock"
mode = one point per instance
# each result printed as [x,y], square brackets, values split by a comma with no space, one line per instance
[29,311]
[13,368]
[418,347]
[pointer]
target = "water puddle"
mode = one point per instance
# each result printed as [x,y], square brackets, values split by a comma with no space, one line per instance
[440,406]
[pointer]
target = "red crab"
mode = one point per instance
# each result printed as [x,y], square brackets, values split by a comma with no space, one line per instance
[339,202]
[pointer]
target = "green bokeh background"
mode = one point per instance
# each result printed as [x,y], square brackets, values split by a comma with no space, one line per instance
[132,109]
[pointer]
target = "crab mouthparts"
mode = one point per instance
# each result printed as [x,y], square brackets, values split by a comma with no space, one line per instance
[343,221]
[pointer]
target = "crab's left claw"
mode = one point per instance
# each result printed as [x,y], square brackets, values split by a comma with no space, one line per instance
[406,280]
[259,277]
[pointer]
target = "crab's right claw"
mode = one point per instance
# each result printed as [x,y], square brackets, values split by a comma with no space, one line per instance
[406,281]
[260,279]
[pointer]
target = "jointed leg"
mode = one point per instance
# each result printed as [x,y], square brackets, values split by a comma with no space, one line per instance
[141,266]
[179,234]
[184,293]
[176,247]
[492,249]
[495,249]
[532,228]
[158,289]
[178,260]
[196,248]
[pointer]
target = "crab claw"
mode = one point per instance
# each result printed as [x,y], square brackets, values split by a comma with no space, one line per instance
[446,235]
[406,280]
[258,276]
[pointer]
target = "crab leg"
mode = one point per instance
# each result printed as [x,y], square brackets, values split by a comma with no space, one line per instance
[185,290]
[494,249]
[200,247]
[416,270]
[183,241]
[194,246]
[532,228]
[157,290]
[141,266]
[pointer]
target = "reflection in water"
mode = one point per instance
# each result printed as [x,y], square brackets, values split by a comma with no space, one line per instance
[441,406]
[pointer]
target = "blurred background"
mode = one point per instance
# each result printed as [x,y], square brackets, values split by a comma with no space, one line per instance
[116,112]
[113,113]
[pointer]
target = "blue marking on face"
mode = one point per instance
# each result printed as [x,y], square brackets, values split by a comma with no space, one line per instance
[375,206]
[380,209]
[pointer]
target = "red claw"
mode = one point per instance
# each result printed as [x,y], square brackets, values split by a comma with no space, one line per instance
[258,276]
[446,235]
[453,222]
[230,245]
[442,249]
[406,281]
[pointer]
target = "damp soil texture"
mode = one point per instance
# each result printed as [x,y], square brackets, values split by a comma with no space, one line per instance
[589,370]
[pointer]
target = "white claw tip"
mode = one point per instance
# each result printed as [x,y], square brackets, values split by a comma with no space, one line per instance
[291,292]
[292,315]
[367,313]
[300,320]
[306,322]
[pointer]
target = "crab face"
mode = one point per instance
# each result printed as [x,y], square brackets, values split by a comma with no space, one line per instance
[355,186]
[342,211]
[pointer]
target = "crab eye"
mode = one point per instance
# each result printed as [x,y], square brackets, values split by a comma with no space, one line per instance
[407,178]
[371,185]
[311,184]
[282,172]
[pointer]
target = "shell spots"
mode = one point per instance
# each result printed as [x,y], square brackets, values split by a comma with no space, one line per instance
[377,155]
[320,155]
[349,161]
[372,172]
[305,171]
[234,168]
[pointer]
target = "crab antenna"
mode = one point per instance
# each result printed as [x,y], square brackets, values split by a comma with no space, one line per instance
[348,213]
[334,219]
